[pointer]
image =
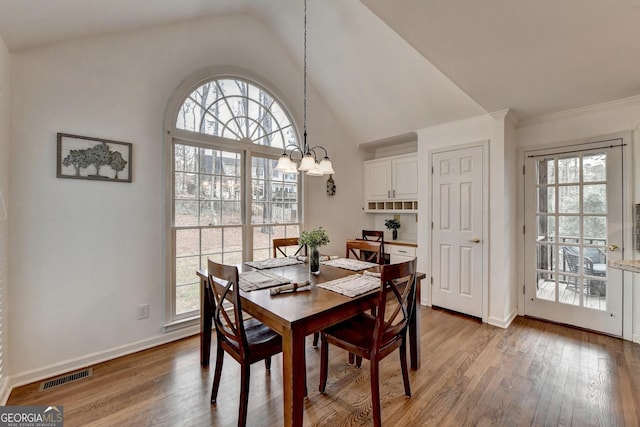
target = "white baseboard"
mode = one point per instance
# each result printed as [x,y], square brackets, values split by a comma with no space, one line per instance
[5,391]
[92,359]
[503,323]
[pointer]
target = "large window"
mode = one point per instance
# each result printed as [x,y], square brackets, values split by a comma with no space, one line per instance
[228,201]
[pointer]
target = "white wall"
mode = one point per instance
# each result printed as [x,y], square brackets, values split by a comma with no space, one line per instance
[86,253]
[583,124]
[500,303]
[4,225]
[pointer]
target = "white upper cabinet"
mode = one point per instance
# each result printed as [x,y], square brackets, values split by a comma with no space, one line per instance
[391,184]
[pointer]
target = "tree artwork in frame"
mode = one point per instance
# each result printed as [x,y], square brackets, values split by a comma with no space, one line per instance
[83,157]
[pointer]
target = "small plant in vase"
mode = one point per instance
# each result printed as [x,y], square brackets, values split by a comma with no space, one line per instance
[314,239]
[392,224]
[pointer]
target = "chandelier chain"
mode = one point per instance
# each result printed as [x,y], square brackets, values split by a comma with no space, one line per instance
[305,75]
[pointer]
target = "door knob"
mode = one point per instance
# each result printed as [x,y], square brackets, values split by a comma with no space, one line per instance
[475,240]
[613,248]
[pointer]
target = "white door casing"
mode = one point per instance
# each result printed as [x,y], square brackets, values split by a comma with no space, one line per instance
[458,241]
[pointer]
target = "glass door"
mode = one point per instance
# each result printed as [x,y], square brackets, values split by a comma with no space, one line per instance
[573,223]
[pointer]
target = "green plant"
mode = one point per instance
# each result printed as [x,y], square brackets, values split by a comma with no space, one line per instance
[392,224]
[314,238]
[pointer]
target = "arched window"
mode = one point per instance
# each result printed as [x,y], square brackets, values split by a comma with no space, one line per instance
[228,202]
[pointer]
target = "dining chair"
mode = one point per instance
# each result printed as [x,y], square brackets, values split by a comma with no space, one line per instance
[374,337]
[247,341]
[376,236]
[279,244]
[365,250]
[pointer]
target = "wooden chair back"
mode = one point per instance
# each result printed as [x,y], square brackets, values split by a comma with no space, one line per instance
[365,250]
[223,286]
[396,302]
[279,244]
[375,235]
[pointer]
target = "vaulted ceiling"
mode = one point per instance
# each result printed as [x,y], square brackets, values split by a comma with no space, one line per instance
[392,67]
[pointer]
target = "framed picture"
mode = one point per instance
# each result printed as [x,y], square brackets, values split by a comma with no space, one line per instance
[83,157]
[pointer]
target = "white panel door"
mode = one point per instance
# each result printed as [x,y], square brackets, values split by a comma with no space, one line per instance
[457,236]
[573,224]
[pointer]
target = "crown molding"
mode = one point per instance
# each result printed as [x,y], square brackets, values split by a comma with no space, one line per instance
[575,112]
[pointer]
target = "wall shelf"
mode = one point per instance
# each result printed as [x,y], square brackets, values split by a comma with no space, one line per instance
[397,206]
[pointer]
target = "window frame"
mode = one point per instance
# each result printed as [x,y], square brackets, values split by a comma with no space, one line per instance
[247,149]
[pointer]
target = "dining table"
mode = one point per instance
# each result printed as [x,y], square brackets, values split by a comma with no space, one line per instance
[295,315]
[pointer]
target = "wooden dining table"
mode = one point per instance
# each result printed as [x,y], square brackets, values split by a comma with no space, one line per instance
[295,315]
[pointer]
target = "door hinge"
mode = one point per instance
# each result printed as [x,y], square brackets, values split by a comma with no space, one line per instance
[432,225]
[523,289]
[523,229]
[522,169]
[432,280]
[431,170]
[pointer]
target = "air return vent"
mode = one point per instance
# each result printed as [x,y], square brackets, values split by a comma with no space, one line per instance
[75,376]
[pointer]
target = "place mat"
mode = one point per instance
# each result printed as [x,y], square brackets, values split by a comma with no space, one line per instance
[272,263]
[253,280]
[352,286]
[349,264]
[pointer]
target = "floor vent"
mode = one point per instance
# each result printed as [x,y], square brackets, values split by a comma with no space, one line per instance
[46,385]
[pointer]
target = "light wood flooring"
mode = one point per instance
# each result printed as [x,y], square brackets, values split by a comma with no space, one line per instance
[473,374]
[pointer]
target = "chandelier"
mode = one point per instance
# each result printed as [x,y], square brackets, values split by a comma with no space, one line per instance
[309,155]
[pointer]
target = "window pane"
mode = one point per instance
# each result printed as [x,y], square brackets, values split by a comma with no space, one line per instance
[594,167]
[546,171]
[187,242]
[546,228]
[568,199]
[569,229]
[569,170]
[187,298]
[595,198]
[186,270]
[186,213]
[546,199]
[595,229]
[211,240]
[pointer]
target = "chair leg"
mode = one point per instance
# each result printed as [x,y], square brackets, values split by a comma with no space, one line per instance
[351,358]
[358,361]
[244,394]
[324,364]
[217,373]
[405,371]
[375,392]
[267,363]
[316,336]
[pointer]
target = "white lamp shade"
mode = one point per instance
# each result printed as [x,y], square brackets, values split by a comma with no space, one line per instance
[293,169]
[284,163]
[315,170]
[307,163]
[326,166]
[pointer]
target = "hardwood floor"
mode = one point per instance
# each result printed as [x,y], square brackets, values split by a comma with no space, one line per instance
[533,373]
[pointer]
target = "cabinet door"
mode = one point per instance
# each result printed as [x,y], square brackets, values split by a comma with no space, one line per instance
[405,178]
[377,179]
[399,253]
